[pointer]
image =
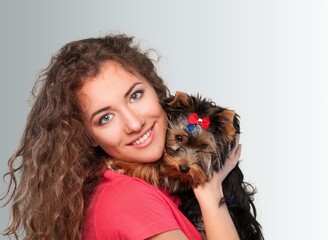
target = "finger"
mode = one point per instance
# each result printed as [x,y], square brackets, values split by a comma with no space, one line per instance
[235,156]
[237,138]
[238,152]
[232,152]
[232,161]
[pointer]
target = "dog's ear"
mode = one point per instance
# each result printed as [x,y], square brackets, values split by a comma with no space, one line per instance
[226,123]
[181,99]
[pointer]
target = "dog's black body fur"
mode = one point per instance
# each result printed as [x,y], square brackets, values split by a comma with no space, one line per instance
[224,126]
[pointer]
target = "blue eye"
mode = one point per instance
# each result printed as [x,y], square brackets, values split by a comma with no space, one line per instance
[105,119]
[136,96]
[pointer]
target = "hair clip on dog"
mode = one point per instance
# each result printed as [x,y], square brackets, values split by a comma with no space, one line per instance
[194,120]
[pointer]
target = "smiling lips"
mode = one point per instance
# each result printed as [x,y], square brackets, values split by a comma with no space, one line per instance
[143,138]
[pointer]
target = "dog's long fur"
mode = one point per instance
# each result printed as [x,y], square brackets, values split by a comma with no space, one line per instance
[190,158]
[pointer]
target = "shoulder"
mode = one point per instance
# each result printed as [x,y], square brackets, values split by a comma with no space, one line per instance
[125,205]
[131,196]
[123,189]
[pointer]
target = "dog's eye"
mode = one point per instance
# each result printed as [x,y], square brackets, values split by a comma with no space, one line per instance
[179,138]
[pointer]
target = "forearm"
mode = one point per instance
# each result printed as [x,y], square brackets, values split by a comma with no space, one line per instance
[217,221]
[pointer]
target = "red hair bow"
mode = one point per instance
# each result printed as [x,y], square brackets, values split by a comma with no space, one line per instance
[195,119]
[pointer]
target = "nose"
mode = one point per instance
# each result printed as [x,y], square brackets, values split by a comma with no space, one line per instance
[184,168]
[133,122]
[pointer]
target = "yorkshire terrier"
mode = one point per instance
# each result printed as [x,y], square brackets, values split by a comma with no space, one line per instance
[199,137]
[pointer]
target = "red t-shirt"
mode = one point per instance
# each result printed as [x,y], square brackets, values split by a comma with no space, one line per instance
[124,207]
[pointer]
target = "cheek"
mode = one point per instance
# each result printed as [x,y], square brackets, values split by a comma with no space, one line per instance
[156,109]
[104,137]
[163,125]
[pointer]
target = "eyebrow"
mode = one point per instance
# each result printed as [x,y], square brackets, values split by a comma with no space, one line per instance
[108,107]
[99,111]
[131,89]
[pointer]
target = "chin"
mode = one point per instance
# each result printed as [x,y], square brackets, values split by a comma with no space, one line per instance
[154,158]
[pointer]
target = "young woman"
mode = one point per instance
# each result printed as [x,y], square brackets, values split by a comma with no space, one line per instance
[99,98]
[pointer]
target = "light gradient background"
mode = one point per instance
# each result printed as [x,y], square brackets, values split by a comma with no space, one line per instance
[268,60]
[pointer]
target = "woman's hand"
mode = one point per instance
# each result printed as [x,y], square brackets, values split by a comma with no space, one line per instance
[231,161]
[214,186]
[217,220]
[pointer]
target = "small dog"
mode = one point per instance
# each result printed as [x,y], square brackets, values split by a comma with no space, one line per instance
[199,138]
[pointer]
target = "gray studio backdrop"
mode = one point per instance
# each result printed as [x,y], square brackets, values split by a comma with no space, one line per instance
[265,59]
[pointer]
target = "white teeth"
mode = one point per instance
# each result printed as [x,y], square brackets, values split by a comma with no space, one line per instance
[143,138]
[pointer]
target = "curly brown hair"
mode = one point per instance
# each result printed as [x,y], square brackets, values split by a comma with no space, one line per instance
[55,169]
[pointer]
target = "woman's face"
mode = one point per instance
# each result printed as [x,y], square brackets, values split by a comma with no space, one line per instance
[122,114]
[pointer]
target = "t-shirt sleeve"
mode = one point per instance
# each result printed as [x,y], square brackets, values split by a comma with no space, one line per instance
[133,211]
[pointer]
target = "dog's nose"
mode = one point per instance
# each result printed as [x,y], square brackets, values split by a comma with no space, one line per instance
[183,168]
